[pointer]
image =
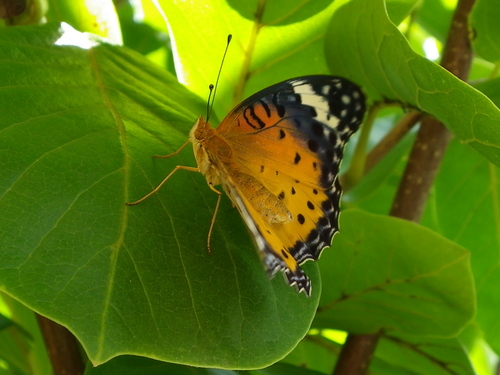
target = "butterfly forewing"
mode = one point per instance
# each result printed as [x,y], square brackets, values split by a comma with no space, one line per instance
[286,146]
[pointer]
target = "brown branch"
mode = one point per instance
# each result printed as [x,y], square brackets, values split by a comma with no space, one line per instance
[62,348]
[356,354]
[423,165]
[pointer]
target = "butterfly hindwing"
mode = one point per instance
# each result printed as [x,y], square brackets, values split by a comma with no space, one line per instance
[274,253]
[287,143]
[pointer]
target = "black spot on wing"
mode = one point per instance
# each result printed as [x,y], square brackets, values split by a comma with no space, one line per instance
[301,219]
[313,145]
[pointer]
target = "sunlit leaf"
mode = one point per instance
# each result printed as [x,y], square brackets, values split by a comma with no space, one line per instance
[387,67]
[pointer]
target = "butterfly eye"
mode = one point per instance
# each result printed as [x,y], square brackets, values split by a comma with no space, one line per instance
[201,130]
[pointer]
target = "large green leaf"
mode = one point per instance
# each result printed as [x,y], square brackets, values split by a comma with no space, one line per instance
[391,274]
[386,66]
[402,354]
[394,355]
[78,129]
[398,10]
[136,365]
[465,208]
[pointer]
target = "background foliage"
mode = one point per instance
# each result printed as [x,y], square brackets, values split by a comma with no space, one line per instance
[78,127]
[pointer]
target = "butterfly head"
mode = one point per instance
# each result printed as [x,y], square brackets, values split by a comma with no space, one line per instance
[201,131]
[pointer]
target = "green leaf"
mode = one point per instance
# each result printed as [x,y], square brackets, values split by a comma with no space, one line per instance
[395,354]
[139,36]
[486,29]
[316,352]
[386,66]
[136,365]
[416,355]
[130,365]
[490,88]
[78,130]
[98,18]
[390,274]
[5,322]
[435,17]
[283,369]
[398,10]
[465,208]
[272,41]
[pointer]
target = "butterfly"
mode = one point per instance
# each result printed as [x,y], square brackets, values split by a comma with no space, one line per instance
[277,157]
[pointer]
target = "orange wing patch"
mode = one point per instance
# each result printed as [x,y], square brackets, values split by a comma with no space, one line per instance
[285,145]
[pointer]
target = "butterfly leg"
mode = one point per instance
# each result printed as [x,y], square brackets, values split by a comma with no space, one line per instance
[219,196]
[191,169]
[173,153]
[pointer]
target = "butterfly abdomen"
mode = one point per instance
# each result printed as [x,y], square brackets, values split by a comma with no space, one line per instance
[268,205]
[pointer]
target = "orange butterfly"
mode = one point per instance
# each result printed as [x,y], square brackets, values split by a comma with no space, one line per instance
[277,156]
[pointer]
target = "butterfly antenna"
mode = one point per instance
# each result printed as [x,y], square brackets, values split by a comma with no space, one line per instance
[213,90]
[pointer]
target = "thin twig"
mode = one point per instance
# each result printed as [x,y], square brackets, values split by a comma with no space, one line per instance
[392,138]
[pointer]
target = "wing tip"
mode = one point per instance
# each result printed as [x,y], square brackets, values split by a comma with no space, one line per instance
[299,280]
